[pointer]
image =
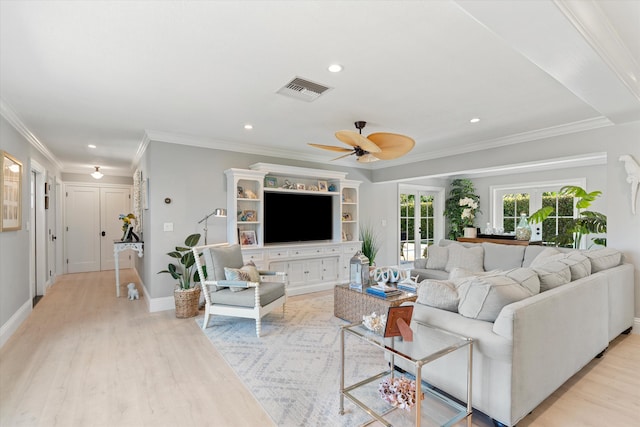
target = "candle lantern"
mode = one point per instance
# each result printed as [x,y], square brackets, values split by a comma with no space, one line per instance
[359,271]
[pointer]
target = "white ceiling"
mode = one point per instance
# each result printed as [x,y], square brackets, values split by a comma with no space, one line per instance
[115,74]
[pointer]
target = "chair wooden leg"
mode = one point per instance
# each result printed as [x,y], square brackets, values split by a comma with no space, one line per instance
[205,322]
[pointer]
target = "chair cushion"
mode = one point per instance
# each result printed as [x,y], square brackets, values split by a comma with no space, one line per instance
[219,257]
[269,292]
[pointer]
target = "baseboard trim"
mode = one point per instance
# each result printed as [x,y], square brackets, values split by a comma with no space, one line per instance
[14,322]
[306,289]
[156,304]
[636,326]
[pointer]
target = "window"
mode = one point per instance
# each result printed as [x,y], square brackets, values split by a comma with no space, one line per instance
[509,201]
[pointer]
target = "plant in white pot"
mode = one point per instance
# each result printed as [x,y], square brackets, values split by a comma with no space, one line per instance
[187,292]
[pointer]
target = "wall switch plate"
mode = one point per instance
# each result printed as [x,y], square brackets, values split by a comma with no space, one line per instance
[168,226]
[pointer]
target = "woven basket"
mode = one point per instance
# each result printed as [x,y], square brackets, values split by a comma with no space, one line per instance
[187,301]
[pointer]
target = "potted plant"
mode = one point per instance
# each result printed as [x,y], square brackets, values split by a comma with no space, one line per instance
[461,207]
[587,222]
[370,245]
[187,292]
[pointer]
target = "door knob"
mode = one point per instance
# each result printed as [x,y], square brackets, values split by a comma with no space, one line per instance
[104,234]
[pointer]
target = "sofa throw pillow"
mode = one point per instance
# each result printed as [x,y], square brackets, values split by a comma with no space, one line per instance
[541,258]
[552,272]
[251,269]
[483,297]
[440,294]
[603,259]
[236,274]
[468,258]
[579,264]
[527,277]
[502,257]
[437,257]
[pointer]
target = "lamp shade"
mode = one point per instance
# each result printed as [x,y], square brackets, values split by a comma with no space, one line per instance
[220,212]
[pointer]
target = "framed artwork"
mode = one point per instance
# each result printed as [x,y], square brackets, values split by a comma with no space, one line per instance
[393,328]
[322,186]
[248,238]
[271,182]
[11,193]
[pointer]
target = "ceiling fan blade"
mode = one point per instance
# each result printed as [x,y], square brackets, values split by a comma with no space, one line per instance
[345,155]
[332,148]
[392,145]
[354,139]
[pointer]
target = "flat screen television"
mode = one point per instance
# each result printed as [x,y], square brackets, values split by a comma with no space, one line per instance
[294,217]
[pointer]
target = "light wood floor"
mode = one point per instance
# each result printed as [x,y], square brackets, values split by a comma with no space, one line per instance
[87,358]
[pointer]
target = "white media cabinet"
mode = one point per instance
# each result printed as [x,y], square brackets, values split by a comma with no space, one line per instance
[311,266]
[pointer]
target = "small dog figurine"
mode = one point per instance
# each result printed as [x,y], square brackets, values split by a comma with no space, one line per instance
[133,292]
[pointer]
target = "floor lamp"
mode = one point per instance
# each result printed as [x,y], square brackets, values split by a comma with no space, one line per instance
[218,212]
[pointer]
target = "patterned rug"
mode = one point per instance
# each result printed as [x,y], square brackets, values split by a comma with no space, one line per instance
[293,370]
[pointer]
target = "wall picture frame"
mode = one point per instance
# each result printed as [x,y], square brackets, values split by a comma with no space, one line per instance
[248,238]
[10,193]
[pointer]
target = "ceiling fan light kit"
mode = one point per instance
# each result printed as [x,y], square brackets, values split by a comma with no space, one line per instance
[377,146]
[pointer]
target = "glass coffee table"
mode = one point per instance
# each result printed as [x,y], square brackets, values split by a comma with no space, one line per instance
[431,343]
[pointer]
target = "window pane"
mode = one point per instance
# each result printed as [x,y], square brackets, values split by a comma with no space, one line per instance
[522,203]
[565,205]
[508,205]
[423,228]
[549,199]
[509,225]
[549,229]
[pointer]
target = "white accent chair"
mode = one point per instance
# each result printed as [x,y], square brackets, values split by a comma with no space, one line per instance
[267,295]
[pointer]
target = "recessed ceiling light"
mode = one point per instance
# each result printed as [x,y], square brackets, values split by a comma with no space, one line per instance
[91,146]
[248,126]
[335,68]
[474,120]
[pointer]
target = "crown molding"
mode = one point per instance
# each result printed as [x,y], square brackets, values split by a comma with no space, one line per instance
[550,132]
[142,147]
[591,22]
[12,117]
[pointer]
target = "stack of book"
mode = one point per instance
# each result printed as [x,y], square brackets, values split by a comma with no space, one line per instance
[383,291]
[408,287]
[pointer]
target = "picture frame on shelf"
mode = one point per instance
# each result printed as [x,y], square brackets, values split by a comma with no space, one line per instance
[248,238]
[10,193]
[322,186]
[271,182]
[398,318]
[247,215]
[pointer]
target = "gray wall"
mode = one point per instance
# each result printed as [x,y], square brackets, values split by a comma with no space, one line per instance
[14,245]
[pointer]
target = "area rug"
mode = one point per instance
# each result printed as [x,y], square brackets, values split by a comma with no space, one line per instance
[293,370]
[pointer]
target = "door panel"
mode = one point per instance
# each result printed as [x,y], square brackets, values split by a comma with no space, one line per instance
[82,228]
[113,202]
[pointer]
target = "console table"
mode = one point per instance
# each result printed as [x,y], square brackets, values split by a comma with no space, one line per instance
[499,241]
[118,247]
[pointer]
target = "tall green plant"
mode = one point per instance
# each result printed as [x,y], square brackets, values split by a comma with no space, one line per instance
[461,188]
[184,271]
[370,244]
[587,222]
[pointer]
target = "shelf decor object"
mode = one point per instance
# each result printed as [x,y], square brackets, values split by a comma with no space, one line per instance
[10,193]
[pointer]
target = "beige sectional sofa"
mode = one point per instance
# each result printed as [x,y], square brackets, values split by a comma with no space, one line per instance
[538,315]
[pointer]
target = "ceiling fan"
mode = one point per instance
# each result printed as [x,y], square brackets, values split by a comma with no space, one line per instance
[377,146]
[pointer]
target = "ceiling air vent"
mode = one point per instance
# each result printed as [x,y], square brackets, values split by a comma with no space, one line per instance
[303,89]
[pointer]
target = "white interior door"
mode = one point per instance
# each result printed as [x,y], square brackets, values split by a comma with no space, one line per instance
[82,228]
[113,202]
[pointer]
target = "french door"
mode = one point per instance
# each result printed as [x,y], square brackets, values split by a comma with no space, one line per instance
[421,220]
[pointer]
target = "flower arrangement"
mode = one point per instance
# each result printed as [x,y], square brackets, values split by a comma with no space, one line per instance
[469,211]
[461,189]
[126,220]
[400,392]
[375,322]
